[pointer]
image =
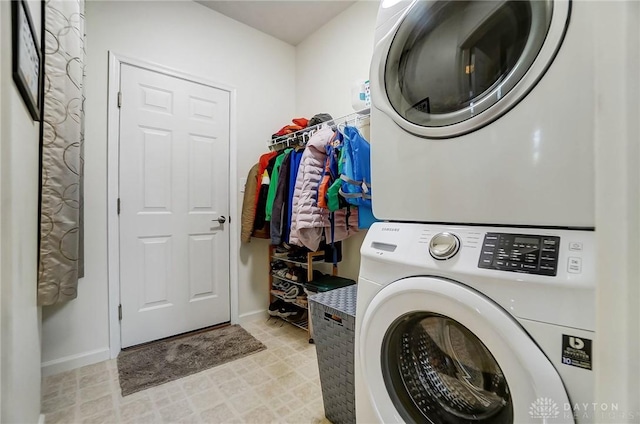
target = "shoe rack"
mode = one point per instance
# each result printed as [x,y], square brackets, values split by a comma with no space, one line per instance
[311,260]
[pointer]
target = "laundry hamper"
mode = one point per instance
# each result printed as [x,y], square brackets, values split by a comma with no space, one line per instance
[333,318]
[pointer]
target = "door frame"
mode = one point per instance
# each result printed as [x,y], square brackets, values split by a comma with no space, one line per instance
[113,182]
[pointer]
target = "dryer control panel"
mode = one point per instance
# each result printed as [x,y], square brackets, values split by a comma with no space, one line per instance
[527,253]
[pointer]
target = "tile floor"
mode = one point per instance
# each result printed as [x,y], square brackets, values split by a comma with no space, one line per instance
[280,384]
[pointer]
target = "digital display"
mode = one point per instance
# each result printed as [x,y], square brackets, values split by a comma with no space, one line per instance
[523,240]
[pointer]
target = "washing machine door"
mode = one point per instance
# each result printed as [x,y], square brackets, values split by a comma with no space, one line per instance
[450,67]
[436,351]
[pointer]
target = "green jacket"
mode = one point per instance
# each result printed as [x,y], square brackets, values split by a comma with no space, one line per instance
[271,194]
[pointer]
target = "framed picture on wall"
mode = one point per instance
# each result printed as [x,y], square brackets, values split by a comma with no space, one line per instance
[27,57]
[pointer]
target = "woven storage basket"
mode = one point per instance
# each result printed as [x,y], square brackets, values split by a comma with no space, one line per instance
[333,319]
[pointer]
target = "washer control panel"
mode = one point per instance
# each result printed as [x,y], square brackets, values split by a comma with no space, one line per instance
[526,253]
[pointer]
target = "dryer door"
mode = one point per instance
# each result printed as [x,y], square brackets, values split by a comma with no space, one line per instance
[450,67]
[433,350]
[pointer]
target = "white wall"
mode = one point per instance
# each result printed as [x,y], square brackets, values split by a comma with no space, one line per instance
[327,64]
[332,58]
[20,319]
[190,38]
[618,210]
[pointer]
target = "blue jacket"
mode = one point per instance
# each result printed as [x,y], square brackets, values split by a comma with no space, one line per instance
[294,164]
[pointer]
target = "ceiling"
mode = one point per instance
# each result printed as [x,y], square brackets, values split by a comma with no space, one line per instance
[289,21]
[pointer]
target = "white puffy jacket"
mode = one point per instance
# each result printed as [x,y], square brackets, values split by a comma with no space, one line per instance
[308,221]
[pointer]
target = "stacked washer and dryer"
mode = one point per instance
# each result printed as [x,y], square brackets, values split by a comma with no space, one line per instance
[476,297]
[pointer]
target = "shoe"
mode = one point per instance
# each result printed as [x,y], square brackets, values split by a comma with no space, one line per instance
[302,301]
[281,254]
[290,274]
[274,307]
[300,315]
[282,273]
[287,310]
[276,265]
[297,257]
[280,285]
[299,275]
[292,293]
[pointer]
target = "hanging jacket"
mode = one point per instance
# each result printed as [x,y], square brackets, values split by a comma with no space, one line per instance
[330,171]
[296,156]
[356,174]
[275,176]
[263,162]
[309,221]
[260,220]
[308,217]
[249,205]
[281,202]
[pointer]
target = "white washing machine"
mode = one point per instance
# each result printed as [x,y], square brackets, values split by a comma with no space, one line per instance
[475,325]
[483,112]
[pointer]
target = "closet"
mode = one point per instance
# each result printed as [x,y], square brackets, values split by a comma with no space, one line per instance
[312,192]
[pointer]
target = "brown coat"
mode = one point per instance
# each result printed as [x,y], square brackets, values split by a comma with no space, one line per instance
[249,204]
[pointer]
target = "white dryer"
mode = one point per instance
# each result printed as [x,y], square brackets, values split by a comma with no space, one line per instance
[475,325]
[483,112]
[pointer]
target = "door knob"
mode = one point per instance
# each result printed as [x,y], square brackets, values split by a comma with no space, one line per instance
[222,220]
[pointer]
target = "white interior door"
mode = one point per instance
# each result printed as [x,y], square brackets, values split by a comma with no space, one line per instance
[174,179]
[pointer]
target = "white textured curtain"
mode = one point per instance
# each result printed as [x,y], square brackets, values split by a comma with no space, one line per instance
[61,217]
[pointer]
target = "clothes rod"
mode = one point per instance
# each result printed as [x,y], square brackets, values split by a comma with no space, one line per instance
[301,137]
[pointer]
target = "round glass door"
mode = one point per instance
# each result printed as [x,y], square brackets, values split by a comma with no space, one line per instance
[449,61]
[438,371]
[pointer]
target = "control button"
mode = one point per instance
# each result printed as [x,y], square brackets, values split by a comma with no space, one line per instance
[549,250]
[486,261]
[575,265]
[549,242]
[487,252]
[489,245]
[515,265]
[500,263]
[548,272]
[575,246]
[525,266]
[548,258]
[444,246]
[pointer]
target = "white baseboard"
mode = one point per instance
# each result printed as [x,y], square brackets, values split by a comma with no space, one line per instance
[253,316]
[74,361]
[41,419]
